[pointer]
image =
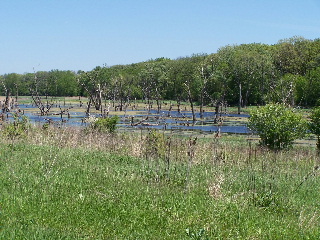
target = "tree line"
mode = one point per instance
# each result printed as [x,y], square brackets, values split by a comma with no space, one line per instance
[247,74]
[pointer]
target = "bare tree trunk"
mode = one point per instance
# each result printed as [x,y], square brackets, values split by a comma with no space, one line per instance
[216,112]
[16,85]
[193,113]
[204,83]
[240,99]
[178,105]
[88,107]
[245,104]
[6,107]
[201,104]
[318,148]
[191,104]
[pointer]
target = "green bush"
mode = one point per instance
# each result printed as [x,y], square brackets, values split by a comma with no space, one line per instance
[108,124]
[314,124]
[277,125]
[18,128]
[155,144]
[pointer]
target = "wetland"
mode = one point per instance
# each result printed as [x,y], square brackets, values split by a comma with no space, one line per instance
[71,111]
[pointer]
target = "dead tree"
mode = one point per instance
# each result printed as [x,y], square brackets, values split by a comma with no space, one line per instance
[205,75]
[44,103]
[218,105]
[89,82]
[191,102]
[6,104]
[121,91]
[282,92]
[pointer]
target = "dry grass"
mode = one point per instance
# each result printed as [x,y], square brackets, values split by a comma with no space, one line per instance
[215,188]
[225,150]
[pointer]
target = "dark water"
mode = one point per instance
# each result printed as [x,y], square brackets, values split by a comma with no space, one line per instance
[164,120]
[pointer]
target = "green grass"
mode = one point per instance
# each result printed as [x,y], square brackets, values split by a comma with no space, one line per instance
[241,192]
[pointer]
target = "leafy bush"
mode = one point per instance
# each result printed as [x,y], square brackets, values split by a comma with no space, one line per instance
[17,128]
[105,124]
[314,125]
[155,144]
[277,125]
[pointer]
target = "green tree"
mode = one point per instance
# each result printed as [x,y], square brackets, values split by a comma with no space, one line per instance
[277,125]
[218,88]
[12,83]
[314,125]
[313,87]
[63,83]
[192,87]
[153,78]
[292,55]
[300,90]
[175,87]
[245,72]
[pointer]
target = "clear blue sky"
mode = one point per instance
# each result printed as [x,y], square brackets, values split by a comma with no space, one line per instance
[82,34]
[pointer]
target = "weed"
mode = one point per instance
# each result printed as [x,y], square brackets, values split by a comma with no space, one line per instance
[265,199]
[197,235]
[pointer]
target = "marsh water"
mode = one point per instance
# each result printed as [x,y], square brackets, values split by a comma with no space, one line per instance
[134,119]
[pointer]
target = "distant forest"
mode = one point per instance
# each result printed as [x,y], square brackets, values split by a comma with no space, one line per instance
[246,74]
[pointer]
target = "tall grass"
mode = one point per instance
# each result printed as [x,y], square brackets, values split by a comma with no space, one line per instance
[71,184]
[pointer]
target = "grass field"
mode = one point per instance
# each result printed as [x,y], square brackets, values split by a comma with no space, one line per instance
[71,184]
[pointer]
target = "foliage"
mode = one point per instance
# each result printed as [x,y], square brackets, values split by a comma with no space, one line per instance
[312,92]
[108,124]
[63,83]
[246,74]
[18,128]
[277,125]
[314,124]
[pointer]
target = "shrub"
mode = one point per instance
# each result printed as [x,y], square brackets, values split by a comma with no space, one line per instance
[105,124]
[314,124]
[277,125]
[18,128]
[155,144]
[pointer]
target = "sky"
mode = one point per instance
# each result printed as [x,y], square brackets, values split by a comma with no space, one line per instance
[43,35]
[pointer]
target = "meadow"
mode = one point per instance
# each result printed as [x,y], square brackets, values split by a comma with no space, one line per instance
[71,183]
